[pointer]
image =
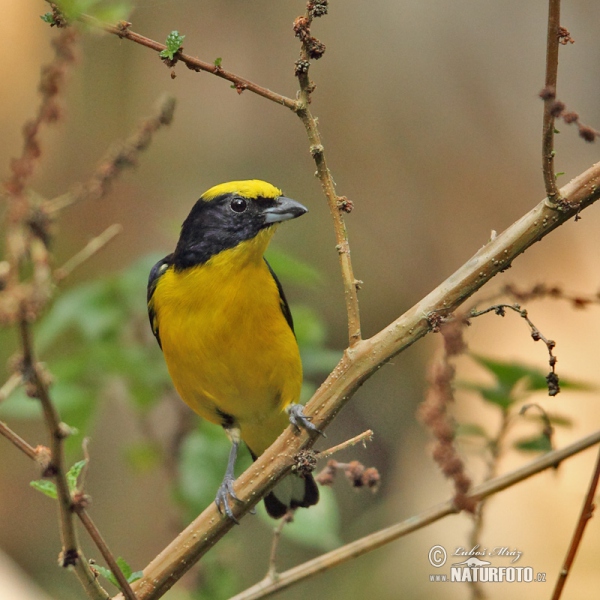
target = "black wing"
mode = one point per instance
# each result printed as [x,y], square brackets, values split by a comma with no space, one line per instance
[155,274]
[285,307]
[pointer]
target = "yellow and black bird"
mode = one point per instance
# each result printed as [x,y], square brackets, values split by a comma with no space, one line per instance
[221,318]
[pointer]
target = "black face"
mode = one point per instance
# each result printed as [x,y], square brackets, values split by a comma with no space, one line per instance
[219,224]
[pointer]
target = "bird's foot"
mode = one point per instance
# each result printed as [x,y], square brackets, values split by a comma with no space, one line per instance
[300,421]
[225,494]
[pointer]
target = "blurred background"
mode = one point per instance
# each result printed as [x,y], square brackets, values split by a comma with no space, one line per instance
[431,122]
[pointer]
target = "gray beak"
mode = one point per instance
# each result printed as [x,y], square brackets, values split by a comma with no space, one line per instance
[284,209]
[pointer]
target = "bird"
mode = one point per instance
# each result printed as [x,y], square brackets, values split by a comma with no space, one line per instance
[221,318]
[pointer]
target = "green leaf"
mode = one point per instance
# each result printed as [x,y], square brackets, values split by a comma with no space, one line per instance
[540,443]
[509,374]
[218,62]
[292,270]
[173,44]
[46,487]
[73,474]
[472,430]
[125,569]
[107,574]
[48,18]
[124,566]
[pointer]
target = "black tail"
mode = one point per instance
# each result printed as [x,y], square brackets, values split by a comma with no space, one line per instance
[293,492]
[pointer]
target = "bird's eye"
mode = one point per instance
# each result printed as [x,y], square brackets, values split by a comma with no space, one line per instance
[238,205]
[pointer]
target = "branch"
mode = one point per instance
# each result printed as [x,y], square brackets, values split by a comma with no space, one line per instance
[71,555]
[552,43]
[357,365]
[380,538]
[586,514]
[195,64]
[119,157]
[92,247]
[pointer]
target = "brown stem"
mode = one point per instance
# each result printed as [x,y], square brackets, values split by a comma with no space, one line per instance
[71,555]
[18,441]
[109,557]
[586,514]
[385,536]
[552,44]
[195,64]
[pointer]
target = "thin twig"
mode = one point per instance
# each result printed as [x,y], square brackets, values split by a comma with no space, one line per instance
[363,437]
[109,557]
[123,31]
[272,570]
[71,555]
[119,156]
[385,536]
[10,385]
[552,44]
[91,248]
[500,309]
[17,440]
[79,509]
[586,514]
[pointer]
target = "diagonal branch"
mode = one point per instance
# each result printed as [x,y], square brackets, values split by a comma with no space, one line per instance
[380,538]
[587,512]
[356,366]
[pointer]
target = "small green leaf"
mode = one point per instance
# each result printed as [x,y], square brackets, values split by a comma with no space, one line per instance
[135,576]
[540,443]
[124,566]
[557,175]
[472,430]
[73,474]
[125,569]
[173,43]
[556,130]
[218,62]
[46,487]
[48,18]
[107,574]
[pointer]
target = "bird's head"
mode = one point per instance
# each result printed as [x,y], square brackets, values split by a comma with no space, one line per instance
[230,213]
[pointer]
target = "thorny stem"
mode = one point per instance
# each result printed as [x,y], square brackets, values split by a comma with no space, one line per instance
[351,284]
[587,512]
[195,64]
[71,555]
[385,536]
[552,44]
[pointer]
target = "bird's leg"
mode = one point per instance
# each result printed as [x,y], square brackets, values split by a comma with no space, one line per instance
[226,490]
[299,420]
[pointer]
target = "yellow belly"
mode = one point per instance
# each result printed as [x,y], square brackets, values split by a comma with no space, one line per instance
[227,345]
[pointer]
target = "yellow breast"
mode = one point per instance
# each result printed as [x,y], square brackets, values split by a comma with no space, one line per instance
[227,344]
